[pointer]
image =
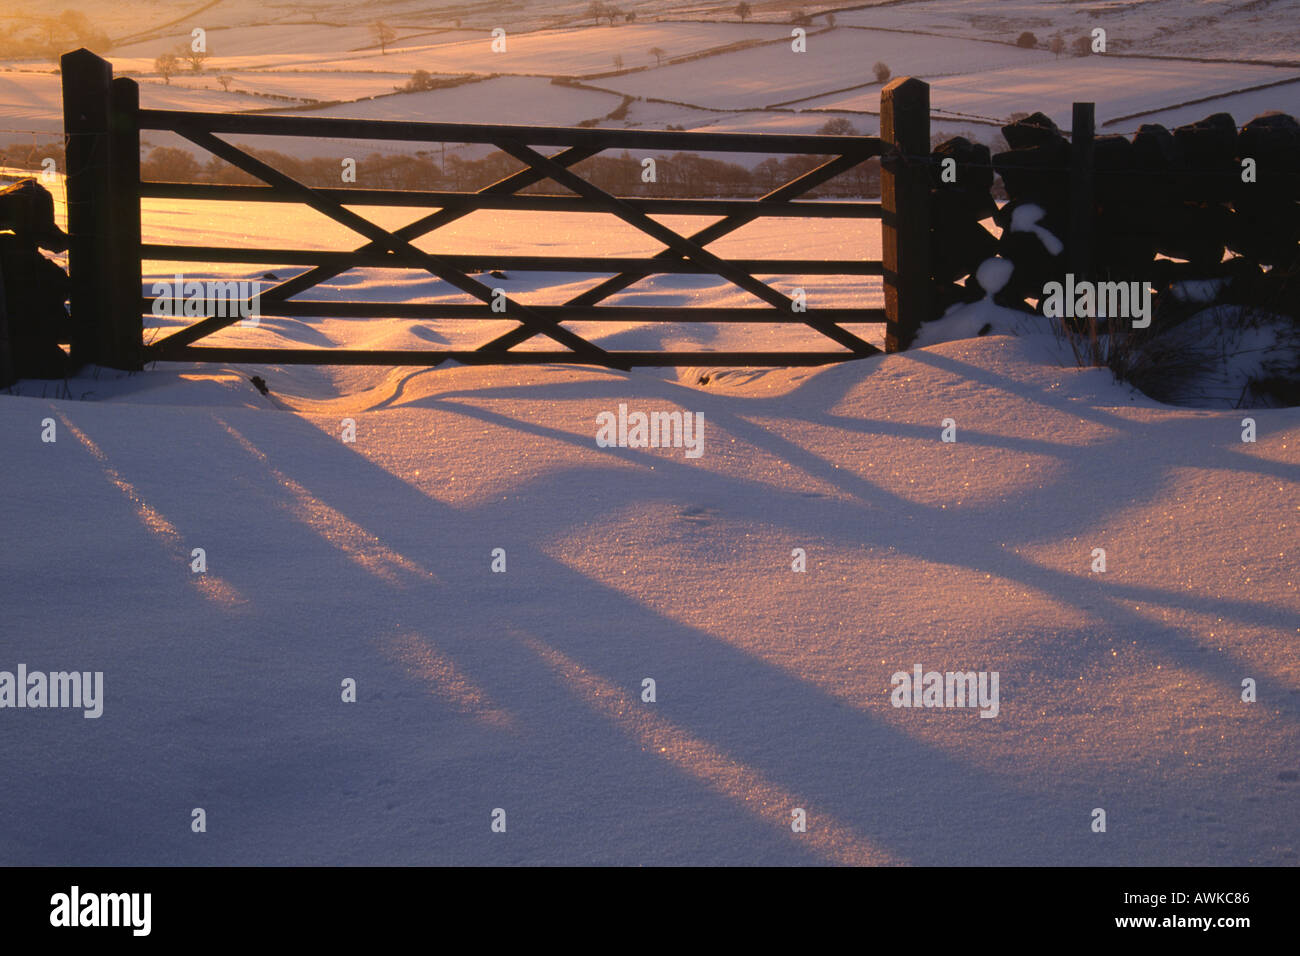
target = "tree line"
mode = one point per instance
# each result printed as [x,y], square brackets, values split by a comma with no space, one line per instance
[686,175]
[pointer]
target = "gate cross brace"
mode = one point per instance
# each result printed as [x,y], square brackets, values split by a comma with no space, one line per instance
[679,243]
[729,224]
[427,224]
[403,251]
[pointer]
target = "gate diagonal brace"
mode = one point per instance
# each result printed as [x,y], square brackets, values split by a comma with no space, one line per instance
[427,224]
[381,237]
[725,226]
[678,243]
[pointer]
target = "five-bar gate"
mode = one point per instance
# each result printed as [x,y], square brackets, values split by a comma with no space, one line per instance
[103,121]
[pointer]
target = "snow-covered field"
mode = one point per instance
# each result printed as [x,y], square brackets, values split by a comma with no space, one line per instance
[371,560]
[1119,86]
[776,74]
[524,690]
[1262,31]
[689,55]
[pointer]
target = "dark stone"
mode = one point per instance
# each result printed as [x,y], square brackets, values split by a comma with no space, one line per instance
[27,208]
[32,318]
[1267,233]
[957,249]
[1273,141]
[1155,149]
[974,171]
[1209,149]
[1113,165]
[1120,255]
[1039,173]
[948,294]
[1193,231]
[1035,130]
[951,205]
[34,292]
[1055,218]
[1157,158]
[1034,265]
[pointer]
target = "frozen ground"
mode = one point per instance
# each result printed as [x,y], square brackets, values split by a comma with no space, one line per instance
[522,690]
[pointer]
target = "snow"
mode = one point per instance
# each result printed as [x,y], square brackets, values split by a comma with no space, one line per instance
[1025,218]
[994,273]
[1197,290]
[1241,106]
[979,78]
[1218,356]
[571,51]
[371,560]
[513,100]
[1121,88]
[1190,29]
[775,74]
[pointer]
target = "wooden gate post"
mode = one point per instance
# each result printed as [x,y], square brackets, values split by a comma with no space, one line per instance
[102,136]
[905,209]
[1082,132]
[86,89]
[122,335]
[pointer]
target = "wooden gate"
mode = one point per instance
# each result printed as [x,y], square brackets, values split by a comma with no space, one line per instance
[103,120]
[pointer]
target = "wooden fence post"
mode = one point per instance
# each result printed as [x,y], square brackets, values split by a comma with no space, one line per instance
[905,209]
[122,331]
[1082,131]
[86,89]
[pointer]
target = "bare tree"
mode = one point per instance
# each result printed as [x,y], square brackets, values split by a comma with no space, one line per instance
[167,66]
[596,11]
[196,58]
[882,72]
[1056,44]
[618,61]
[225,79]
[839,126]
[658,53]
[830,19]
[744,11]
[384,35]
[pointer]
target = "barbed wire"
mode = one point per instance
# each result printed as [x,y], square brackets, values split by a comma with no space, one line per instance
[929,159]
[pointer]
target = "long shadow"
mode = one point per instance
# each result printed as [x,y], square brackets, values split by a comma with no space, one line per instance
[898,792]
[548,602]
[687,654]
[892,519]
[1091,464]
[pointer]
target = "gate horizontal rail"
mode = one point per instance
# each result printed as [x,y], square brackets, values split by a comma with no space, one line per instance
[812,209]
[579,313]
[483,261]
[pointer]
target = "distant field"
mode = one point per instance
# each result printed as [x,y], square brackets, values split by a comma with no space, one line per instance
[327,51]
[1243,107]
[751,79]
[505,99]
[1119,87]
[34,101]
[567,52]
[316,84]
[270,41]
[1261,30]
